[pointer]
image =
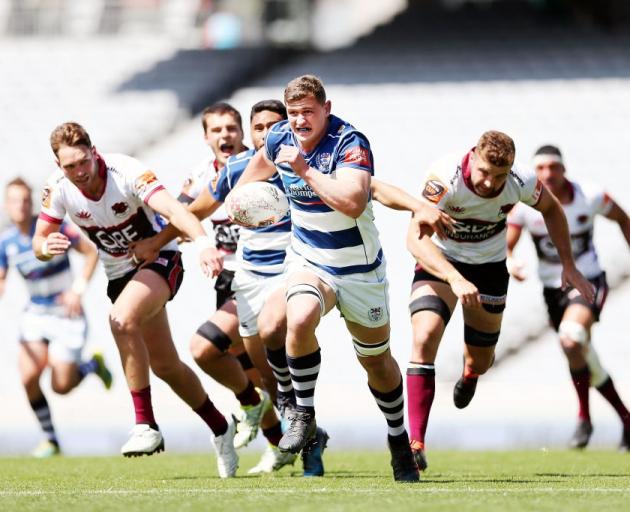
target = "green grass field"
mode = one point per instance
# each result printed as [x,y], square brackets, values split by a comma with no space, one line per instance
[456,481]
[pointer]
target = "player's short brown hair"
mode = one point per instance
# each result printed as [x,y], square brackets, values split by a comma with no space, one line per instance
[496,148]
[69,134]
[220,108]
[302,86]
[18,182]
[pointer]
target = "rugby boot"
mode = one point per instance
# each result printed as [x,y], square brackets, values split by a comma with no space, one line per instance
[403,463]
[227,458]
[312,453]
[144,440]
[46,449]
[272,460]
[417,448]
[464,391]
[301,428]
[250,418]
[582,435]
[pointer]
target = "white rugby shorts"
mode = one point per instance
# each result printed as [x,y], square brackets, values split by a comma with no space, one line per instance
[361,298]
[66,336]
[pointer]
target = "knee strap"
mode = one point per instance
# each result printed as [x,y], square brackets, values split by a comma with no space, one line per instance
[431,303]
[307,289]
[575,331]
[477,338]
[245,360]
[370,349]
[214,335]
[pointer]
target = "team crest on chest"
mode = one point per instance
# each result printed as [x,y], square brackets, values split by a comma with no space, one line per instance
[120,209]
[323,160]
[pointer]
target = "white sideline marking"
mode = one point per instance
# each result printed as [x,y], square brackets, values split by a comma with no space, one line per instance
[419,488]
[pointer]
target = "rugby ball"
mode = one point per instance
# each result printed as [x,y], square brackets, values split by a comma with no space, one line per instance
[256,204]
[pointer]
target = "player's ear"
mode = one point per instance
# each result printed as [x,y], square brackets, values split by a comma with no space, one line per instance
[327,107]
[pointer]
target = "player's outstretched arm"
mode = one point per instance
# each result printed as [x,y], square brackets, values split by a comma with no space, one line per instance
[617,214]
[397,199]
[182,219]
[48,241]
[259,168]
[433,261]
[147,250]
[558,229]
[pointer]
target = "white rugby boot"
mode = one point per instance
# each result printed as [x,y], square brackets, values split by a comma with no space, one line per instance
[144,440]
[272,460]
[227,458]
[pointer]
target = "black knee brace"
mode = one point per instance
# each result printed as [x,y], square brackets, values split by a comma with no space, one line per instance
[431,303]
[214,335]
[477,338]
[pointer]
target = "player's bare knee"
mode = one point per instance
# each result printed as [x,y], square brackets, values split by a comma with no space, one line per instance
[573,336]
[122,325]
[272,331]
[166,370]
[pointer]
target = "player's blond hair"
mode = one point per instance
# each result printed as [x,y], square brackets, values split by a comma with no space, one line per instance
[303,86]
[69,134]
[496,148]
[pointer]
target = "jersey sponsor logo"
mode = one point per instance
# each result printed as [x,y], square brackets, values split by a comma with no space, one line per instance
[143,181]
[46,197]
[517,178]
[357,156]
[473,230]
[493,299]
[303,190]
[83,215]
[115,240]
[434,190]
[455,209]
[120,209]
[546,250]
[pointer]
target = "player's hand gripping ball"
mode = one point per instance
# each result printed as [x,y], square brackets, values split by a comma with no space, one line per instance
[256,204]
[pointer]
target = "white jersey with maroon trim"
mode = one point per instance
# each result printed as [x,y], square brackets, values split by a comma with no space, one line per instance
[121,215]
[226,233]
[588,201]
[479,234]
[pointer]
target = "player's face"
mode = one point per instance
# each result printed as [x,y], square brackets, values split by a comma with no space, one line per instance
[79,164]
[487,179]
[18,204]
[308,120]
[224,136]
[261,124]
[551,174]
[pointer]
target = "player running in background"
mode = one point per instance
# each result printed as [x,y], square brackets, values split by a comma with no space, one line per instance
[326,166]
[114,199]
[477,190]
[570,315]
[217,346]
[53,327]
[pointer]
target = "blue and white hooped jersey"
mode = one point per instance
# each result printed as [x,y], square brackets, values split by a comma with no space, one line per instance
[328,239]
[45,280]
[259,250]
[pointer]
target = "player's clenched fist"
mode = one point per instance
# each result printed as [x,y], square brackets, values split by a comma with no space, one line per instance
[291,155]
[56,243]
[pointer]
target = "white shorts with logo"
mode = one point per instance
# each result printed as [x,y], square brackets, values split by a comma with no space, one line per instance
[65,336]
[251,291]
[361,298]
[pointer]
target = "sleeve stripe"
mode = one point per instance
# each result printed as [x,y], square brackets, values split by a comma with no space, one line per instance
[156,189]
[48,218]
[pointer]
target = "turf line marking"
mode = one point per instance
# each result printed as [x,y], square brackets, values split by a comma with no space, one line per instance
[419,488]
